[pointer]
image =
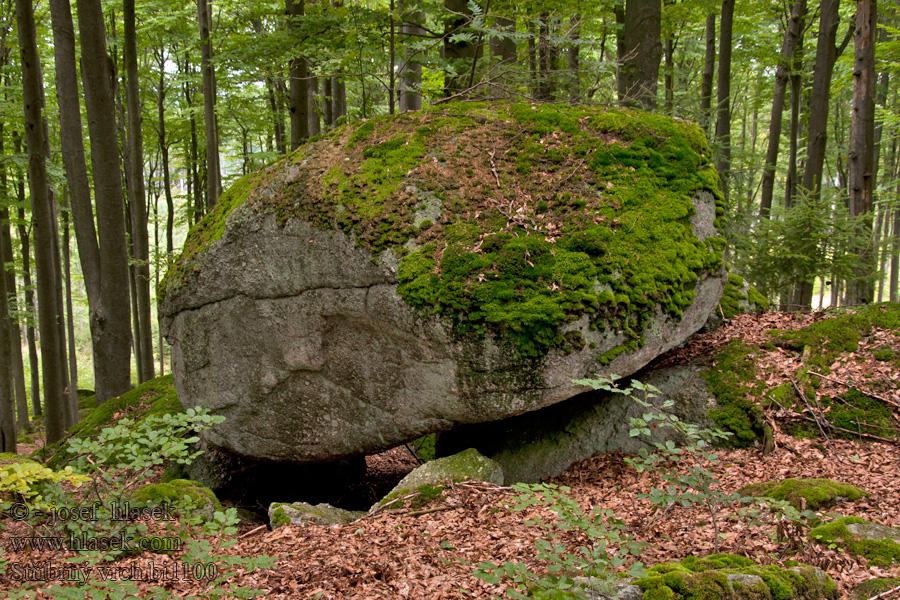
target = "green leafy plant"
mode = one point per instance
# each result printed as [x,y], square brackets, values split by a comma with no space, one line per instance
[572,569]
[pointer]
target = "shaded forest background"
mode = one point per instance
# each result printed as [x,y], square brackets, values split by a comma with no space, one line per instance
[122,123]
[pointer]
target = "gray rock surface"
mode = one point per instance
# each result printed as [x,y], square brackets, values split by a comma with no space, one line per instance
[873,531]
[468,464]
[300,340]
[544,443]
[298,513]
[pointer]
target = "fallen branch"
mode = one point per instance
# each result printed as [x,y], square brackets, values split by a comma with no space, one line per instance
[886,593]
[252,531]
[853,387]
[817,420]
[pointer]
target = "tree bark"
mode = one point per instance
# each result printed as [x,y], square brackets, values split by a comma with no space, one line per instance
[299,92]
[70,319]
[410,97]
[164,155]
[137,197]
[457,53]
[791,40]
[315,127]
[790,186]
[709,69]
[56,411]
[213,171]
[573,59]
[723,93]
[8,429]
[642,51]
[860,289]
[112,371]
[503,46]
[33,360]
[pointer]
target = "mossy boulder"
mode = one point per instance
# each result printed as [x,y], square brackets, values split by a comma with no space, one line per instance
[185,497]
[872,587]
[740,297]
[468,464]
[456,265]
[297,513]
[156,397]
[812,494]
[879,544]
[727,576]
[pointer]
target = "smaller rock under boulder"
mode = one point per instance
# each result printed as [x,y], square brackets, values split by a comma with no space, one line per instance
[187,498]
[299,513]
[468,464]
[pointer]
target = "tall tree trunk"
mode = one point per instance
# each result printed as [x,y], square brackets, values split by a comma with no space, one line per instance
[56,410]
[312,109]
[723,92]
[213,172]
[860,289]
[709,69]
[327,104]
[410,97]
[164,154]
[33,360]
[545,87]
[17,366]
[574,55]
[299,92]
[338,87]
[70,318]
[791,41]
[457,53]
[8,429]
[790,187]
[137,197]
[112,370]
[826,55]
[642,51]
[503,46]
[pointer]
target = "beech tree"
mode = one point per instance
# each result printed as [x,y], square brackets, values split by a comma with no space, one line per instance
[640,53]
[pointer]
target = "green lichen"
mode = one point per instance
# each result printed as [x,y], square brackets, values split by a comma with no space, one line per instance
[707,579]
[156,397]
[185,496]
[881,553]
[732,380]
[811,494]
[562,212]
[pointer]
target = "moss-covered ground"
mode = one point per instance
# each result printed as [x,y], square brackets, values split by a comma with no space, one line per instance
[514,218]
[732,380]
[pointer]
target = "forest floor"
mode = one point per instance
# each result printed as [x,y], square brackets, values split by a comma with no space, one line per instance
[430,551]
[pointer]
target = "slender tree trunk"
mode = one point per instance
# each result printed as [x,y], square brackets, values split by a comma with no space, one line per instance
[639,71]
[299,92]
[503,46]
[164,154]
[532,59]
[213,172]
[327,103]
[709,69]
[791,40]
[411,69]
[56,411]
[574,56]
[790,188]
[860,289]
[723,121]
[457,53]
[70,318]
[8,429]
[33,360]
[137,197]
[895,253]
[338,87]
[112,371]
[314,126]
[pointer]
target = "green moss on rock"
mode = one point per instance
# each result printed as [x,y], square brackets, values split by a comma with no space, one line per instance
[186,497]
[561,210]
[156,397]
[738,297]
[811,494]
[878,544]
[729,576]
[732,380]
[873,587]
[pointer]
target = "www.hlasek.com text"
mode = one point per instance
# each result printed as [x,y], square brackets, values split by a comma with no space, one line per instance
[49,571]
[86,543]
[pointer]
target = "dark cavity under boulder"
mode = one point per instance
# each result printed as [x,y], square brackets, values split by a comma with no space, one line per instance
[453,266]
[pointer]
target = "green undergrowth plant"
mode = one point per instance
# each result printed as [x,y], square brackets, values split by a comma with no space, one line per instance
[572,571]
[94,510]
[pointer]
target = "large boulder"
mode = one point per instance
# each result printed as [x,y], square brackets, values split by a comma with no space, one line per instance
[456,265]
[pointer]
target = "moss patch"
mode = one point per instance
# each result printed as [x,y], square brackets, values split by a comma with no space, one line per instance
[732,380]
[881,553]
[156,397]
[826,339]
[185,496]
[738,298]
[561,212]
[814,493]
[873,587]
[730,576]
